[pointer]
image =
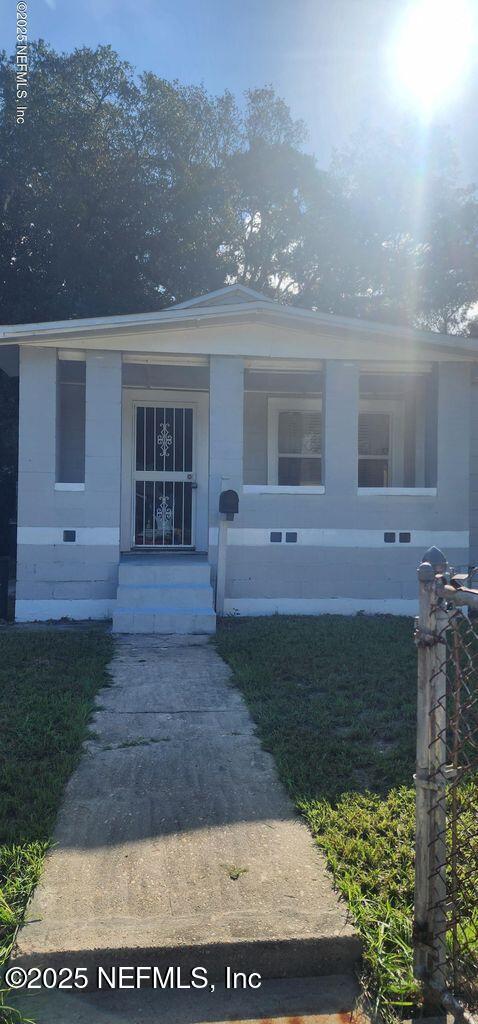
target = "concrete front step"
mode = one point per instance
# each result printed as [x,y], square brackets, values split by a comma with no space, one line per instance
[167,570]
[151,619]
[318,953]
[164,594]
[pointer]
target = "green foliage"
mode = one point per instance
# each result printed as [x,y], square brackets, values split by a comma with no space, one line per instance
[334,702]
[341,690]
[47,684]
[127,192]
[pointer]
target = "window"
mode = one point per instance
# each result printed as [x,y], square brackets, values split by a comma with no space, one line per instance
[71,410]
[397,428]
[295,442]
[380,443]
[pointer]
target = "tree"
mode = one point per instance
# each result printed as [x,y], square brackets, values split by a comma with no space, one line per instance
[71,227]
[127,193]
[407,240]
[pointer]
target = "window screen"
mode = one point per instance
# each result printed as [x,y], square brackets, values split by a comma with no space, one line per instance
[374,449]
[299,447]
[71,409]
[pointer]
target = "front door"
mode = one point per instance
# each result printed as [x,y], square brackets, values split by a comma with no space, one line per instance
[164,475]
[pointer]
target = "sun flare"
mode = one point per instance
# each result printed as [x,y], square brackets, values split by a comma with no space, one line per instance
[432,50]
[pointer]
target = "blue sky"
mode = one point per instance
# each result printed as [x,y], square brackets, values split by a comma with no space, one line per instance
[327,58]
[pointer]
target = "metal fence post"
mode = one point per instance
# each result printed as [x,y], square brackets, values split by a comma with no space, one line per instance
[424,639]
[438,843]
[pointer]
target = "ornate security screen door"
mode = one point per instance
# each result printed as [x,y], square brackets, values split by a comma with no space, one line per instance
[164,476]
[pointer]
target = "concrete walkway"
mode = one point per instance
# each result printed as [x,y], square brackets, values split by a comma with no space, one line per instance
[176,844]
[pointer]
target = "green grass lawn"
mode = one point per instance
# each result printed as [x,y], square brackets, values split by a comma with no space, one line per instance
[334,702]
[48,679]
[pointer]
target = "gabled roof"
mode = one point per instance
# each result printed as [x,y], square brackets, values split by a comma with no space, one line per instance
[227,296]
[236,304]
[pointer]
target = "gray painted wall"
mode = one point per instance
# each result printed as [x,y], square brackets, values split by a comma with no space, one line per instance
[306,572]
[226,423]
[103,440]
[52,569]
[58,571]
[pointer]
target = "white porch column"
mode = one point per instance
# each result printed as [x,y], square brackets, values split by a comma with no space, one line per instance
[341,428]
[103,441]
[453,442]
[37,436]
[226,423]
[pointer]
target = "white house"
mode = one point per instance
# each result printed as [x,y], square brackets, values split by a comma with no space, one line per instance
[350,445]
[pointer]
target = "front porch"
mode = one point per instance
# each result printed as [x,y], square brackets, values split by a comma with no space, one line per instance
[267,427]
[347,453]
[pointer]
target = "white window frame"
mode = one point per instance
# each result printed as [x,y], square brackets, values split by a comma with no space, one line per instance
[274,407]
[394,407]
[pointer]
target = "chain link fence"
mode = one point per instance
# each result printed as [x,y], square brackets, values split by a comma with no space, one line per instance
[446,867]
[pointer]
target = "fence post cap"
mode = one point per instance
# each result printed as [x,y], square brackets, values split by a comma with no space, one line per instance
[426,572]
[436,558]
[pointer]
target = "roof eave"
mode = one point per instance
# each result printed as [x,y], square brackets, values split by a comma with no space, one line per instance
[175,318]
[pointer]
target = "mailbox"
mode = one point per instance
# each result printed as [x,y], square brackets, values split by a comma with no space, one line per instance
[229,503]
